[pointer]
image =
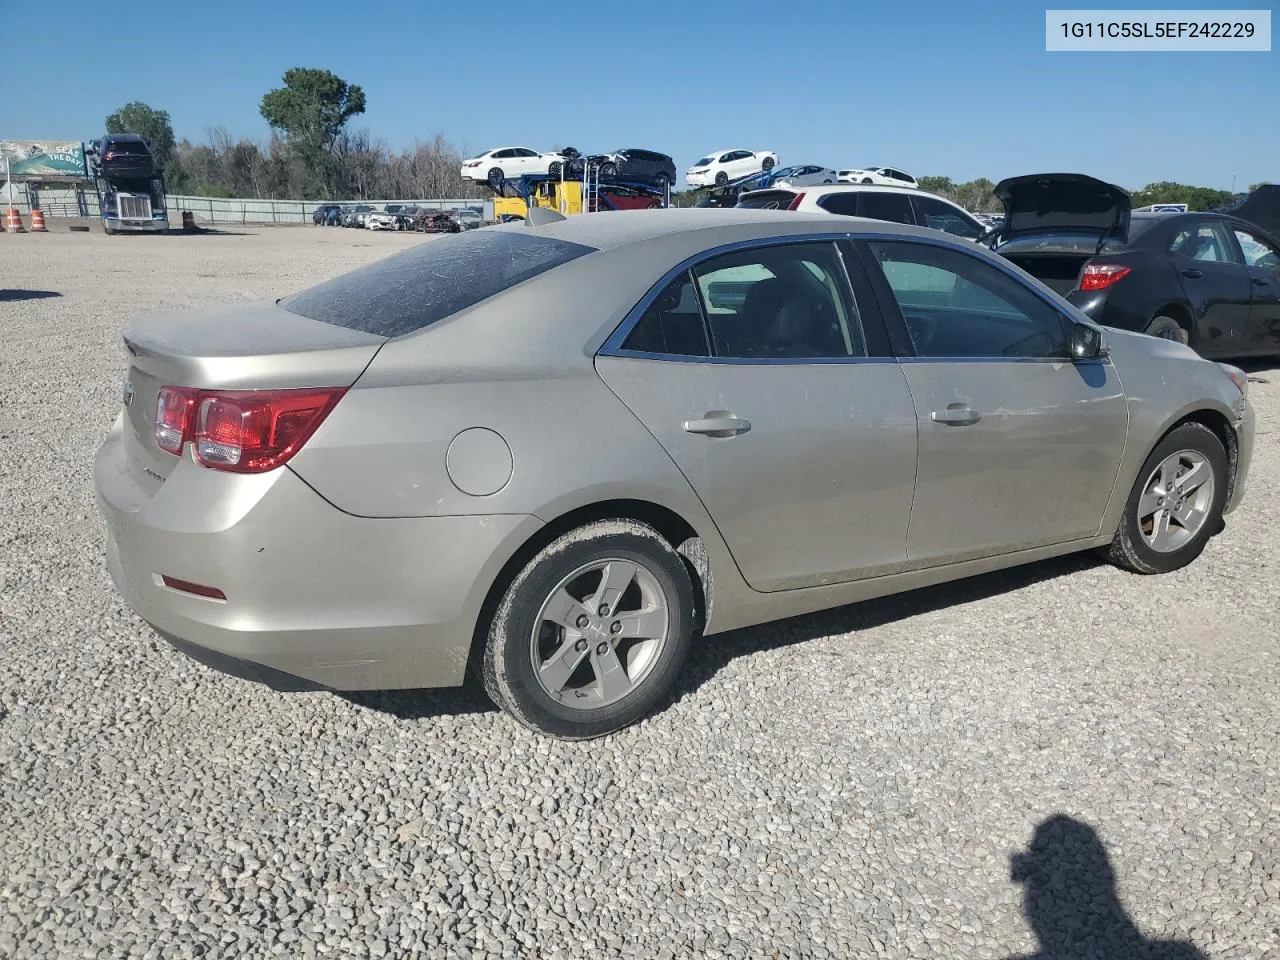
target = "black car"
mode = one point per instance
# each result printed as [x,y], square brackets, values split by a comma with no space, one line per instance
[1206,279]
[124,155]
[322,212]
[630,165]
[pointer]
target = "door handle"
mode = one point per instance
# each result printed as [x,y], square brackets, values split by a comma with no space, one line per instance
[1260,281]
[717,424]
[956,415]
[1192,273]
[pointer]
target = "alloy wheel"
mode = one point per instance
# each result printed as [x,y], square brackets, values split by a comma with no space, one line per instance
[599,633]
[1176,501]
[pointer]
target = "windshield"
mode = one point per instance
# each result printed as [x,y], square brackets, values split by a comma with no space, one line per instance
[427,283]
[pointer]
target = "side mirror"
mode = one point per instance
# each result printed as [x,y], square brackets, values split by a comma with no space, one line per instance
[1087,343]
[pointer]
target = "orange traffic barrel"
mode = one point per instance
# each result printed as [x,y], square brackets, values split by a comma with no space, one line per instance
[37,222]
[13,220]
[188,220]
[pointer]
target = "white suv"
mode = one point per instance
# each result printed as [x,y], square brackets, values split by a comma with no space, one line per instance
[895,204]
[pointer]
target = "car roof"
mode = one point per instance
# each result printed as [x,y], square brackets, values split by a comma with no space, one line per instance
[856,187]
[638,226]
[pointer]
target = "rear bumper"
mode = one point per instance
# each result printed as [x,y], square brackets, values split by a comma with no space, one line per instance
[314,597]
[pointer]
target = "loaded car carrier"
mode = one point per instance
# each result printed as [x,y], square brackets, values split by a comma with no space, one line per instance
[131,188]
[566,194]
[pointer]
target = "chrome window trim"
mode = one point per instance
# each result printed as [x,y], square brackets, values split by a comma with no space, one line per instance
[612,346]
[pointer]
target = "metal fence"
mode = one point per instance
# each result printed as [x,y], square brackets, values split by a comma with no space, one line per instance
[83,202]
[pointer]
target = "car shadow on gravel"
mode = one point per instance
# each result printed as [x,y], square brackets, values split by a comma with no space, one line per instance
[712,654]
[11,296]
[423,704]
[1071,902]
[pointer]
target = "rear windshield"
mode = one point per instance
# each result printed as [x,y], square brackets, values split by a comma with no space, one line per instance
[432,281]
[767,200]
[703,162]
[133,148]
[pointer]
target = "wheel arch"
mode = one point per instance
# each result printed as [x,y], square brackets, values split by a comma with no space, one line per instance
[1180,311]
[669,524]
[1220,426]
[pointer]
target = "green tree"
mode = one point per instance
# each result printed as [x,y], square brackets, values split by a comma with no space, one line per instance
[310,111]
[1196,198]
[149,123]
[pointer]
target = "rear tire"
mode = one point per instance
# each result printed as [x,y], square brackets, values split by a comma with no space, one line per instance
[553,169]
[608,171]
[721,178]
[867,180]
[559,665]
[1167,328]
[1175,505]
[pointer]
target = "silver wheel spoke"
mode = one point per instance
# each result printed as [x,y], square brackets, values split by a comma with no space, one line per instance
[614,580]
[1194,478]
[645,624]
[563,609]
[1160,529]
[611,675]
[1169,475]
[1148,504]
[555,673]
[1189,516]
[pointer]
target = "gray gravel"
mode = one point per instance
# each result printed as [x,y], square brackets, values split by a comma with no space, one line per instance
[848,784]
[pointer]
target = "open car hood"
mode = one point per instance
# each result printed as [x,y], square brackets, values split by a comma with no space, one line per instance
[1054,202]
[1260,206]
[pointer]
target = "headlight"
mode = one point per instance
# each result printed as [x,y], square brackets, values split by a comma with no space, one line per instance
[1238,377]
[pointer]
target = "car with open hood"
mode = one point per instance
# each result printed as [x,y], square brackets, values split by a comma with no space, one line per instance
[1209,280]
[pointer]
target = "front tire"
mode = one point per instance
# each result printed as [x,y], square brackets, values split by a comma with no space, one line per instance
[495,177]
[608,171]
[1167,328]
[767,165]
[1176,503]
[592,632]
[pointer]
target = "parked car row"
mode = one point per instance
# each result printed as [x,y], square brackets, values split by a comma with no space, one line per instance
[397,216]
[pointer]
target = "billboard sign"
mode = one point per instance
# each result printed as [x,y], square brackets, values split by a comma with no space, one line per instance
[40,159]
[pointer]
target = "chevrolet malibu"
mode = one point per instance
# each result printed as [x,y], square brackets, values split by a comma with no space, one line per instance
[557,452]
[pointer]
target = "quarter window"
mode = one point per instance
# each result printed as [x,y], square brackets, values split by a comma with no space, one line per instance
[788,301]
[956,305]
[673,323]
[844,203]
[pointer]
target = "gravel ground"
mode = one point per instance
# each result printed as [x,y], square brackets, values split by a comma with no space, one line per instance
[848,784]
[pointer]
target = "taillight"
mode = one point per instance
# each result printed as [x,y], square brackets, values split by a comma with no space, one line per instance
[243,431]
[1098,276]
[173,417]
[795,204]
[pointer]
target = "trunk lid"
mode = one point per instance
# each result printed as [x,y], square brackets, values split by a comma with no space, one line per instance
[1058,203]
[241,346]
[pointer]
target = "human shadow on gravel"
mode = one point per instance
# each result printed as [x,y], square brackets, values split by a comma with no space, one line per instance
[10,296]
[710,655]
[422,704]
[1070,900]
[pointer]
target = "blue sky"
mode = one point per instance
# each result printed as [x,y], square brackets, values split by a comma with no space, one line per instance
[961,88]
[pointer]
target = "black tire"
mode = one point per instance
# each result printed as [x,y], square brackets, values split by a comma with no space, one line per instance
[767,165]
[608,171]
[1129,550]
[553,169]
[867,180]
[662,180]
[1167,328]
[508,669]
[721,178]
[495,177]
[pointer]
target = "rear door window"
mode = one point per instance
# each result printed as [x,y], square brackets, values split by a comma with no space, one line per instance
[893,207]
[1206,242]
[938,215]
[427,283]
[672,325]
